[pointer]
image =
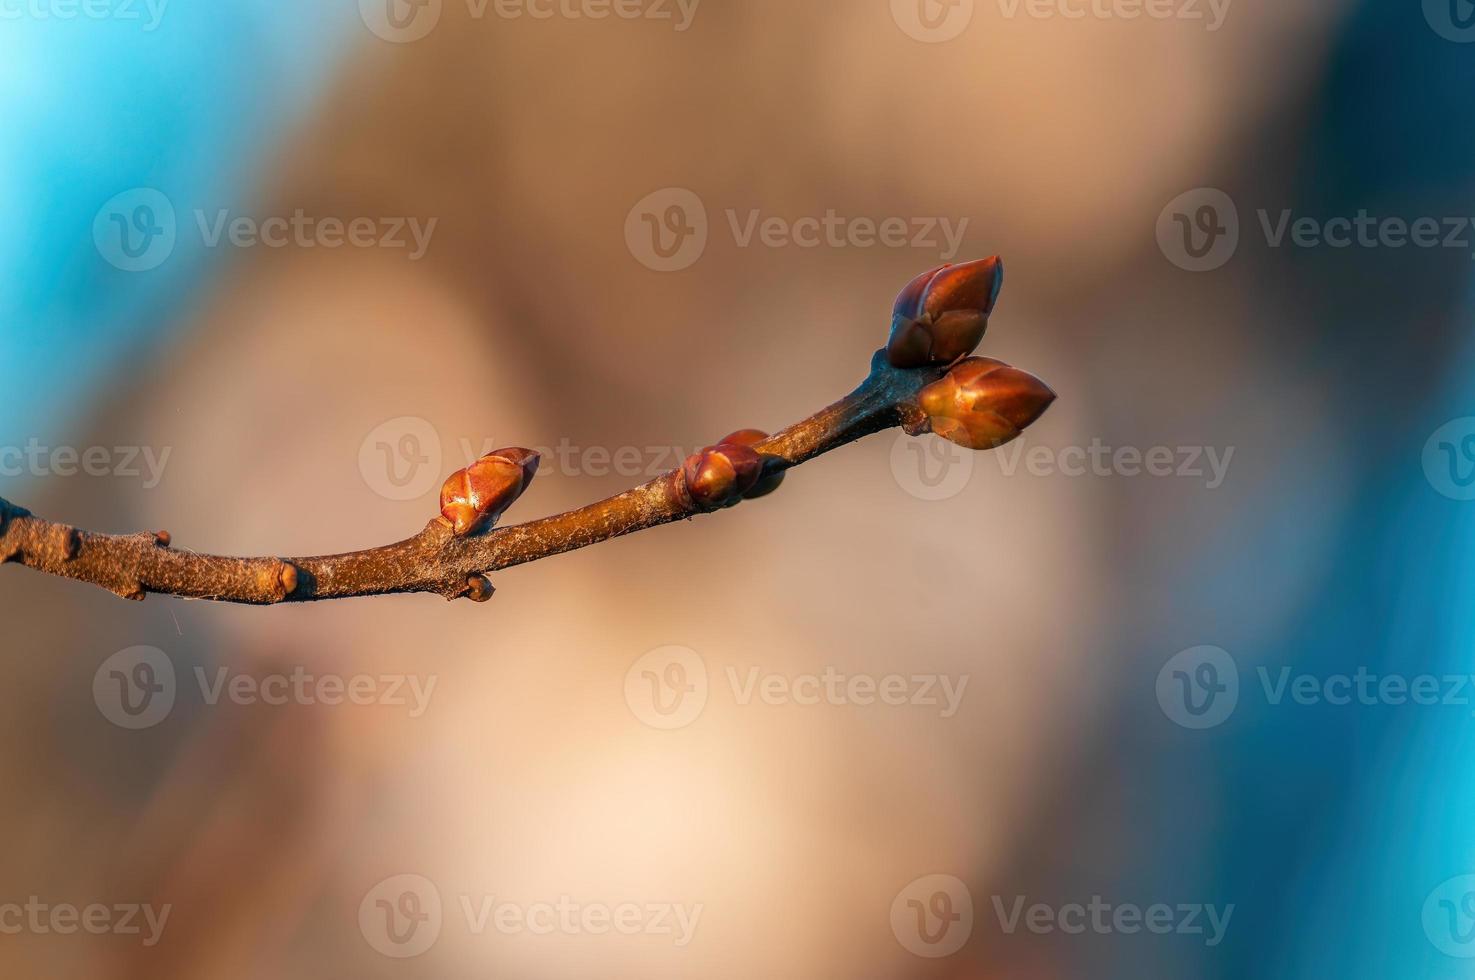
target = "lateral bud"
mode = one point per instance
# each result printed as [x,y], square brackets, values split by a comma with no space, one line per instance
[719,476]
[751,438]
[474,498]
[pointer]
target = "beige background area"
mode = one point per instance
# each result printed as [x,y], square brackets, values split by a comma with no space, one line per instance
[529,322]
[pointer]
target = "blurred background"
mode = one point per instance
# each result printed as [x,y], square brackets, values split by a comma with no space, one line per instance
[1178,685]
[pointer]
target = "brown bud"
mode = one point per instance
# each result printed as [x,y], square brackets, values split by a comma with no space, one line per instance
[474,498]
[288,578]
[942,314]
[751,438]
[720,475]
[982,403]
[479,588]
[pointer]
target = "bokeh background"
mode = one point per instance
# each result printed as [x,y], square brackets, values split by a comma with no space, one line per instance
[1125,644]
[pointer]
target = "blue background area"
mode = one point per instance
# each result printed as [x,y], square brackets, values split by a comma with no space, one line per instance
[92,108]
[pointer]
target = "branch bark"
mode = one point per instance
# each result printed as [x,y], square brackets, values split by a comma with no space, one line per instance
[435,560]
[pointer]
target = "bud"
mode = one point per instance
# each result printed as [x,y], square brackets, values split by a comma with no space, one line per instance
[472,499]
[479,588]
[720,475]
[982,403]
[942,314]
[751,438]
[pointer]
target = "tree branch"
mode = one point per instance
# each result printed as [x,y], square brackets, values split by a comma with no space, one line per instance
[922,380]
[435,560]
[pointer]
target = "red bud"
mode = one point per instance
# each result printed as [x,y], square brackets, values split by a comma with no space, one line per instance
[982,403]
[720,475]
[942,314]
[474,498]
[750,438]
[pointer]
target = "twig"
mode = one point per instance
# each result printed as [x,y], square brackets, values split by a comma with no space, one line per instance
[437,560]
